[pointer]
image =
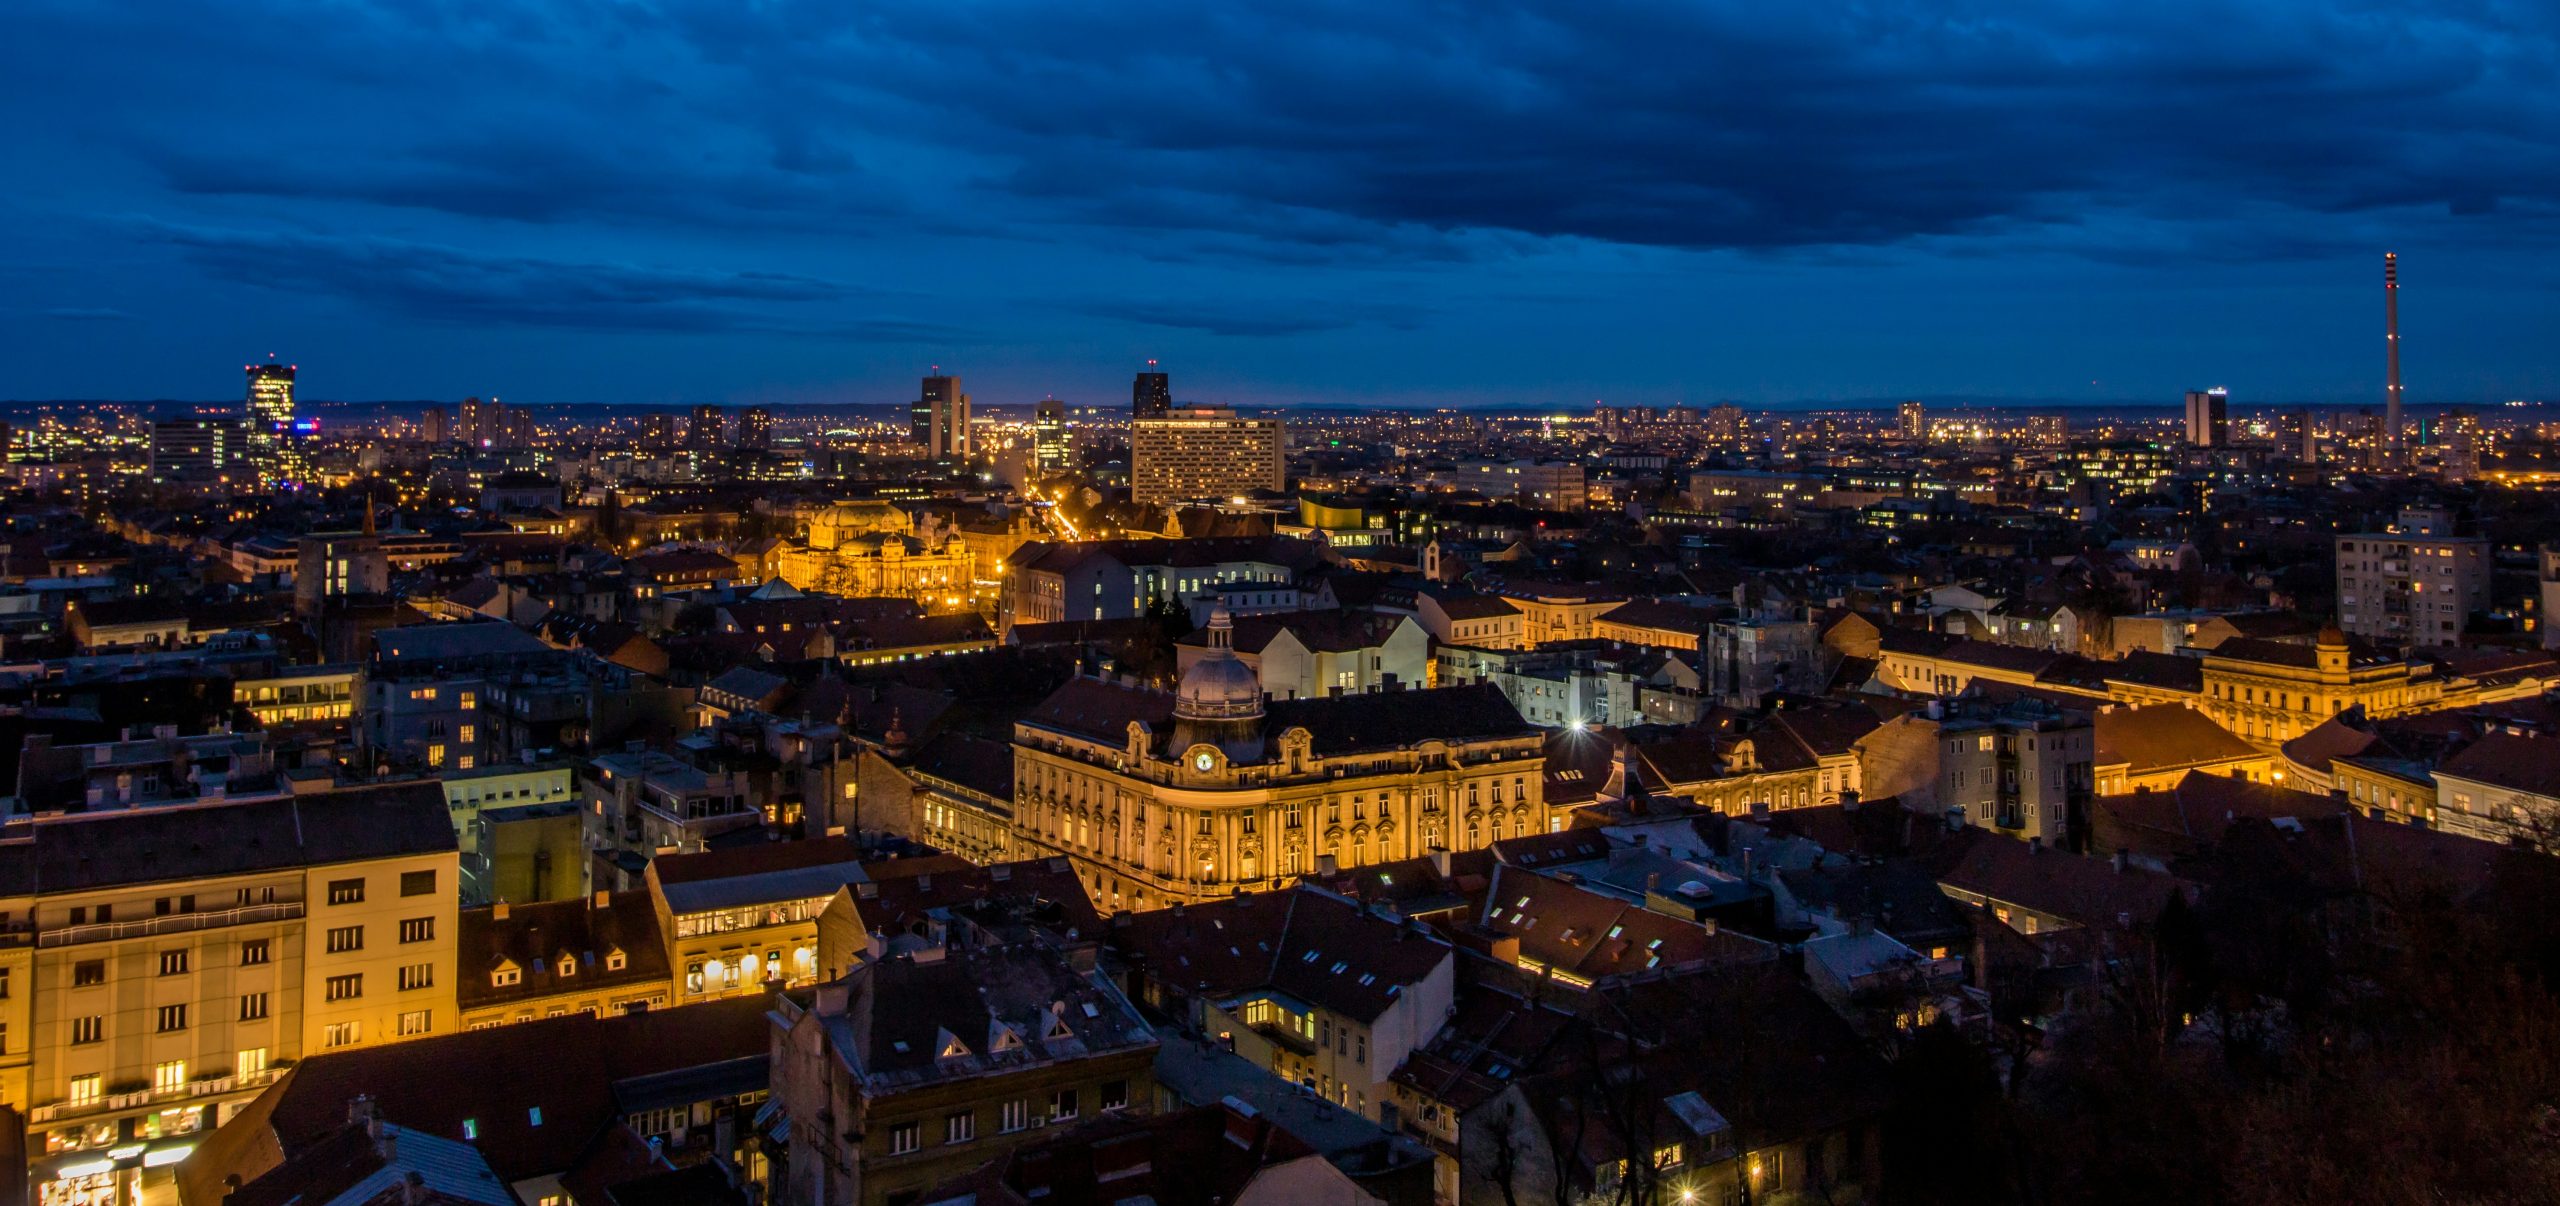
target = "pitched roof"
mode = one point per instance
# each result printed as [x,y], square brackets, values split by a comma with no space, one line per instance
[2161,736]
[1307,942]
[2524,764]
[1398,719]
[83,851]
[539,1093]
[2085,891]
[1575,930]
[535,937]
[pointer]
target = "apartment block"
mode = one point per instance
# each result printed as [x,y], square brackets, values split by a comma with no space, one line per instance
[2415,585]
[164,964]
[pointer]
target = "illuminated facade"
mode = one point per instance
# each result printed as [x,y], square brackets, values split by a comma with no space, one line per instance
[270,417]
[1050,451]
[1161,798]
[159,990]
[873,549]
[1204,452]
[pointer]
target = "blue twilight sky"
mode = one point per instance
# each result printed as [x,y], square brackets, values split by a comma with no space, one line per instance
[1287,201]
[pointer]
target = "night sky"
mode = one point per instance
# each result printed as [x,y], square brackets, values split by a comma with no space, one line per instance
[1357,202]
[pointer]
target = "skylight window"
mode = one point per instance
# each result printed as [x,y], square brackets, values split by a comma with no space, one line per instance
[1339,964]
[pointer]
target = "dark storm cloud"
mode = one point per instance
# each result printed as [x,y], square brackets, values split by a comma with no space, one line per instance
[1747,126]
[1328,129]
[1253,318]
[448,284]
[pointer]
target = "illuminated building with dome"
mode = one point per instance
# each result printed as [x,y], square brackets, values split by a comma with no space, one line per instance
[874,549]
[1196,794]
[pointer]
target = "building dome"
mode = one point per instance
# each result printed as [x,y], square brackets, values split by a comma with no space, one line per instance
[2330,637]
[1219,686]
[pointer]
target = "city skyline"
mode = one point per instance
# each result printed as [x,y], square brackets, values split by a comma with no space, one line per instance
[1768,210]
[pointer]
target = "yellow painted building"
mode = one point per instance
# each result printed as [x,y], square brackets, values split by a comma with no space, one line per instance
[171,961]
[736,919]
[599,955]
[2269,692]
[873,549]
[299,695]
[1161,798]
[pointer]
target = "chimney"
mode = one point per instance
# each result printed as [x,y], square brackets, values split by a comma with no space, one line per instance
[498,911]
[602,900]
[2392,447]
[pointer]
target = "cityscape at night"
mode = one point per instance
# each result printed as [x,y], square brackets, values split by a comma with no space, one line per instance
[1685,603]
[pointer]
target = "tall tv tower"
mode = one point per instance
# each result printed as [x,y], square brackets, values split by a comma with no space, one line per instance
[2393,448]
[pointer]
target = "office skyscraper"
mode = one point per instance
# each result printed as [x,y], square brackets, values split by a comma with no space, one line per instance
[1204,452]
[939,418]
[270,407]
[2208,417]
[755,428]
[1050,452]
[1151,395]
[199,451]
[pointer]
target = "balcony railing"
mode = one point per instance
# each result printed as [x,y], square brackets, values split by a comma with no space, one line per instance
[143,1098]
[171,923]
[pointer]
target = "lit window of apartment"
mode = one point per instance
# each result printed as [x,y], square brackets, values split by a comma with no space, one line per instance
[169,1077]
[435,755]
[413,1022]
[84,1090]
[339,1034]
[252,1061]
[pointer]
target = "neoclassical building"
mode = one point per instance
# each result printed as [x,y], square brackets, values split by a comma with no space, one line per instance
[875,549]
[2271,692]
[1163,798]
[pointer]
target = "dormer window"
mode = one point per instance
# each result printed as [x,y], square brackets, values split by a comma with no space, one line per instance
[949,1046]
[568,966]
[615,960]
[1002,1038]
[506,977]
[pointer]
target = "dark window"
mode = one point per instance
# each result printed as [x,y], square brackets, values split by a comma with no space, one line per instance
[173,1017]
[346,891]
[253,952]
[418,929]
[90,1029]
[173,963]
[344,988]
[417,883]
[93,971]
[346,938]
[253,1007]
